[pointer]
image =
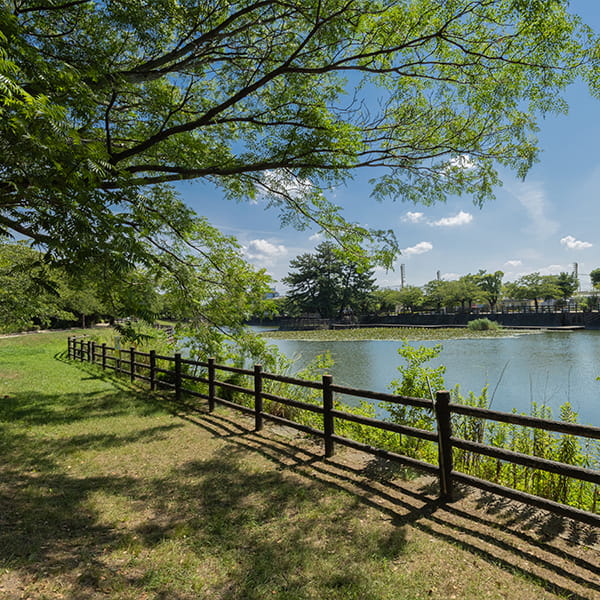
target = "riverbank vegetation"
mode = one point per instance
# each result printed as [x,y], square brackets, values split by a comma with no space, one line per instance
[417,379]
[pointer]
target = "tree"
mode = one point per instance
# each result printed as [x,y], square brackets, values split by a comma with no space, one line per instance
[595,277]
[466,291]
[567,283]
[491,286]
[28,290]
[328,283]
[534,287]
[437,294]
[103,103]
[384,301]
[411,297]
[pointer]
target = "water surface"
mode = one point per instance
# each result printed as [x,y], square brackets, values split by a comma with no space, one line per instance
[550,368]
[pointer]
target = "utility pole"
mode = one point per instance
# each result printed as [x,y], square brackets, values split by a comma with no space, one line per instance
[402,274]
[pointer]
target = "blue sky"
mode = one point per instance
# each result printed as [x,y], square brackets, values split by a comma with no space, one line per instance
[546,223]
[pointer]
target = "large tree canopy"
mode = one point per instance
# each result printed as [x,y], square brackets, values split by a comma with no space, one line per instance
[100,102]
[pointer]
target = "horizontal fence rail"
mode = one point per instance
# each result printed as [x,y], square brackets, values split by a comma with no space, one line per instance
[221,382]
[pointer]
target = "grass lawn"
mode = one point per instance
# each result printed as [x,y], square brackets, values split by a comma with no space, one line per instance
[106,492]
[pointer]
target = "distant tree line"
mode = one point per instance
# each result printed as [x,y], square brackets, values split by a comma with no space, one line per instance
[329,284]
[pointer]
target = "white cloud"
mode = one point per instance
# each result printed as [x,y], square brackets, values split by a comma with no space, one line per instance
[572,244]
[420,248]
[280,182]
[533,199]
[462,162]
[462,218]
[316,237]
[264,250]
[413,217]
[513,263]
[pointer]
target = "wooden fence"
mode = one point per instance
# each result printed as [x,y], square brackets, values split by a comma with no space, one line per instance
[145,366]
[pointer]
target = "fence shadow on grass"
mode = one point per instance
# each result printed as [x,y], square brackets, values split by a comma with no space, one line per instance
[519,541]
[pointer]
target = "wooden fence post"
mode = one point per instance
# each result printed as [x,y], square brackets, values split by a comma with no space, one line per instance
[132,363]
[104,355]
[69,346]
[153,370]
[88,350]
[442,415]
[81,351]
[328,428]
[258,399]
[211,384]
[177,377]
[93,356]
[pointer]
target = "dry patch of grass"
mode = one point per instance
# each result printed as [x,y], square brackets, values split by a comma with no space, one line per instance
[106,493]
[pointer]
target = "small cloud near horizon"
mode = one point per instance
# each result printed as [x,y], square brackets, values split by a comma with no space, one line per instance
[420,248]
[573,244]
[553,270]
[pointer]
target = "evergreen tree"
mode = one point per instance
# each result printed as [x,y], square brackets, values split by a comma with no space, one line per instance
[328,283]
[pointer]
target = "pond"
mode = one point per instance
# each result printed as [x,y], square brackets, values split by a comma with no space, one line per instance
[549,367]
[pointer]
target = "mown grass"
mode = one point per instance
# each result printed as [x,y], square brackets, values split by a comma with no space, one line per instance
[105,492]
[393,333]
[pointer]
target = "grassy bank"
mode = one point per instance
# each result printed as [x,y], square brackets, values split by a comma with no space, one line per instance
[105,492]
[394,333]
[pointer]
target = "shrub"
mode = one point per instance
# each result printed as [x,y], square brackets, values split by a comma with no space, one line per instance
[483,325]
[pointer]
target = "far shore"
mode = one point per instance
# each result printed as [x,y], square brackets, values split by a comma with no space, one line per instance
[395,333]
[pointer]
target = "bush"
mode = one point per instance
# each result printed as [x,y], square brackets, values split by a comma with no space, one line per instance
[483,325]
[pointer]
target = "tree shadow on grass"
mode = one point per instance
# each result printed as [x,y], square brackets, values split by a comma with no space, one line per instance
[32,408]
[260,532]
[247,531]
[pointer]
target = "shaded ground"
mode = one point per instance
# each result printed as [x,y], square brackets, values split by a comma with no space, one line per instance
[103,493]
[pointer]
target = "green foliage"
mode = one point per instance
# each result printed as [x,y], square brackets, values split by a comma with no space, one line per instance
[567,283]
[568,449]
[417,380]
[329,283]
[29,290]
[491,286]
[101,102]
[483,325]
[417,334]
[595,277]
[534,286]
